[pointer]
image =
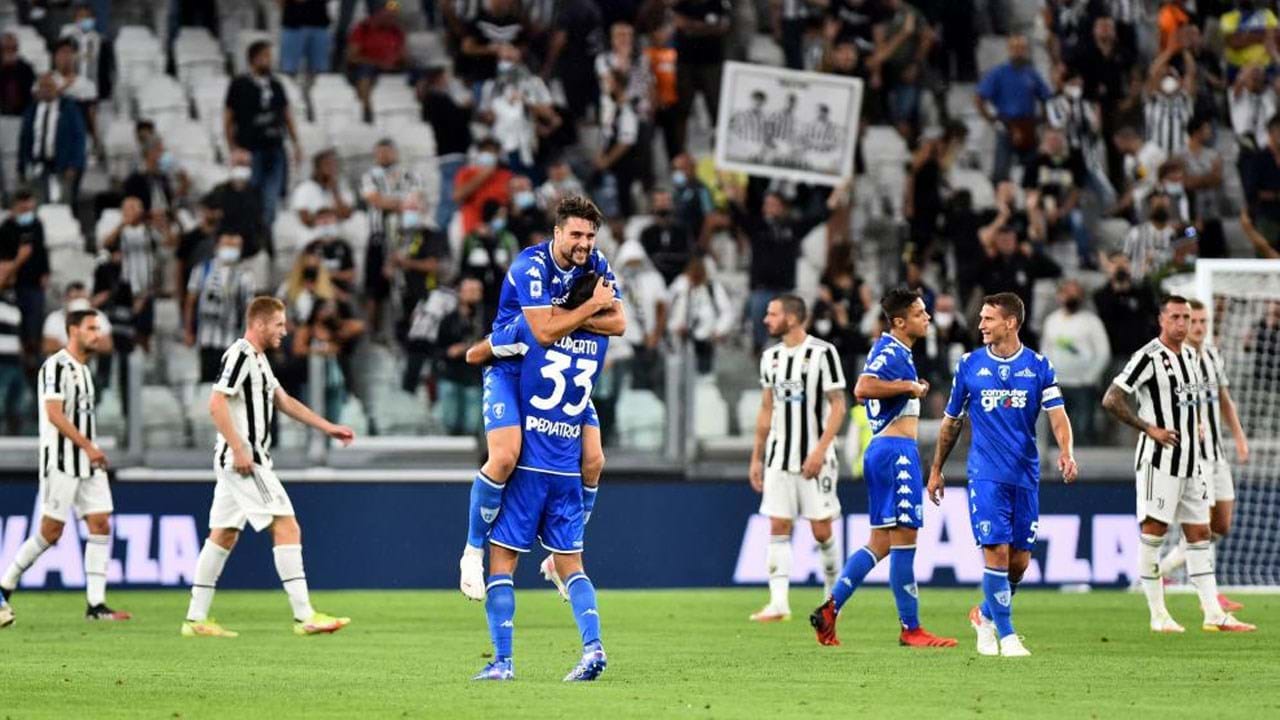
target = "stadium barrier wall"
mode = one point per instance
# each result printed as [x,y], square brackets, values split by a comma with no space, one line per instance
[643,534]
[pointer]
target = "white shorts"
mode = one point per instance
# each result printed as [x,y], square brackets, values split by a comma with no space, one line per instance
[257,499]
[1172,500]
[60,492]
[1221,485]
[791,495]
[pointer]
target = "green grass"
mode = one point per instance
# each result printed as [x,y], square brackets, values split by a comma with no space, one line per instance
[671,653]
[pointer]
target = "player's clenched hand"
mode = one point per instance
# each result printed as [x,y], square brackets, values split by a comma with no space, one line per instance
[813,464]
[97,458]
[756,475]
[241,460]
[341,433]
[919,389]
[1067,466]
[1167,438]
[937,486]
[602,298]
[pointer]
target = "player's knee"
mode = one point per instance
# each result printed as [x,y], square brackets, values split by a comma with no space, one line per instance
[1196,533]
[286,531]
[51,530]
[821,531]
[224,538]
[779,526]
[98,524]
[567,565]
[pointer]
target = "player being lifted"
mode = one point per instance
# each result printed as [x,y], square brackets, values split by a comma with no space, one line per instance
[1219,408]
[1002,388]
[545,498]
[244,398]
[895,487]
[793,459]
[73,470]
[536,287]
[1171,488]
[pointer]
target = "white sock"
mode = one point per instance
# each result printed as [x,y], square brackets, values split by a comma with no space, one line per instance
[208,569]
[1149,571]
[779,562]
[1201,572]
[830,564]
[1176,558]
[294,580]
[33,548]
[97,553]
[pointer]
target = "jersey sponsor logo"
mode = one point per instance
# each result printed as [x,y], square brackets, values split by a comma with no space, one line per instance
[984,372]
[552,428]
[1025,373]
[1004,372]
[577,347]
[535,288]
[1001,398]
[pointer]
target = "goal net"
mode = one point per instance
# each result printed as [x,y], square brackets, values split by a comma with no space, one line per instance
[1244,297]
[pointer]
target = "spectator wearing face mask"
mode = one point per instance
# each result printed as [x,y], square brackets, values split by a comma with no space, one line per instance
[256,118]
[700,313]
[1013,265]
[1127,309]
[526,220]
[337,254]
[331,331]
[95,60]
[692,199]
[26,266]
[1080,120]
[113,296]
[150,183]
[195,246]
[560,183]
[139,239]
[667,242]
[239,206]
[218,294]
[843,299]
[948,337]
[308,282]
[327,187]
[1170,99]
[485,179]
[488,251]
[459,384]
[1075,341]
[419,262]
[1151,246]
[385,189]
[1053,181]
[644,298]
[517,105]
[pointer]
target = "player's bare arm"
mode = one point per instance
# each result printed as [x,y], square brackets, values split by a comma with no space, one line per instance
[610,322]
[549,326]
[763,418]
[1233,421]
[481,353]
[241,459]
[1116,403]
[1060,424]
[295,409]
[870,387]
[835,419]
[948,436]
[53,409]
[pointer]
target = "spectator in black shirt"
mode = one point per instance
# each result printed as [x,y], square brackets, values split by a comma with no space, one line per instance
[692,198]
[497,24]
[239,206]
[701,26]
[113,296]
[150,183]
[854,19]
[256,118]
[667,242]
[1053,180]
[1127,310]
[16,78]
[1013,265]
[525,219]
[339,257]
[1105,69]
[842,301]
[195,247]
[460,383]
[576,39]
[1265,204]
[22,248]
[447,106]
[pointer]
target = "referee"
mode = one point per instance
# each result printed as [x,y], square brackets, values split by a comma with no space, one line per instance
[793,459]
[1171,488]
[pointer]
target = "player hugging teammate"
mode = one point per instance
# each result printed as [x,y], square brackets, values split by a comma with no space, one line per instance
[558,305]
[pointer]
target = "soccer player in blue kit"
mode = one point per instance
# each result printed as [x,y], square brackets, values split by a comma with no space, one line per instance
[1002,387]
[536,287]
[544,499]
[892,390]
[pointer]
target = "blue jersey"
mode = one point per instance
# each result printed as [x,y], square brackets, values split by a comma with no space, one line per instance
[535,280]
[890,360]
[555,393]
[1003,397]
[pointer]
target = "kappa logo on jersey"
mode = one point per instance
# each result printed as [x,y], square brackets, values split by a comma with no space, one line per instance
[538,259]
[1025,373]
[1000,398]
[507,624]
[904,475]
[984,372]
[903,460]
[903,517]
[1004,372]
[533,273]
[904,504]
[590,611]
[904,489]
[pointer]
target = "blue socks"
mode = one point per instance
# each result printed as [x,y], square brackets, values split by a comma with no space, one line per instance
[500,606]
[588,502]
[902,578]
[855,570]
[582,598]
[486,500]
[985,608]
[999,595]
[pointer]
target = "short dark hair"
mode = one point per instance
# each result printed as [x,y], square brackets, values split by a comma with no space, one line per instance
[143,125]
[22,195]
[255,48]
[67,42]
[1009,304]
[578,206]
[73,286]
[896,302]
[1168,300]
[1198,121]
[793,305]
[1196,304]
[76,317]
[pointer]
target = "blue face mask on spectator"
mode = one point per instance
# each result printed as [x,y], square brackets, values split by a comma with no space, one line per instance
[524,199]
[679,178]
[498,224]
[167,162]
[86,24]
[410,219]
[486,159]
[27,218]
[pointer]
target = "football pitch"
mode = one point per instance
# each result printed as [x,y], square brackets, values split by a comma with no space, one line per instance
[680,653]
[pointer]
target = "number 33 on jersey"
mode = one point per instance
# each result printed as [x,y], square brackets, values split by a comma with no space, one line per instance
[555,393]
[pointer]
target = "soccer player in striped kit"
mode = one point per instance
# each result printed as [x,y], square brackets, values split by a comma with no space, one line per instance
[73,469]
[1171,487]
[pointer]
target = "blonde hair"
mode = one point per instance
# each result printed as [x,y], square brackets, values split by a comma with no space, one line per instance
[293,284]
[263,307]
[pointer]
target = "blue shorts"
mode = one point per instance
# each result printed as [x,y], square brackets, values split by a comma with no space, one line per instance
[502,397]
[1004,514]
[309,44]
[895,488]
[542,506]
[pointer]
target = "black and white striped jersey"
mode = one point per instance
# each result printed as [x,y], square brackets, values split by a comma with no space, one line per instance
[139,246]
[395,181]
[1167,117]
[1168,386]
[247,381]
[799,378]
[63,378]
[223,293]
[1213,373]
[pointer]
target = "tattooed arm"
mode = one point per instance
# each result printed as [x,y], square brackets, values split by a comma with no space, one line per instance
[947,437]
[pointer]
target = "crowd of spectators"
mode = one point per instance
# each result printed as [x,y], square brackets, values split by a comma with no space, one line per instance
[1100,154]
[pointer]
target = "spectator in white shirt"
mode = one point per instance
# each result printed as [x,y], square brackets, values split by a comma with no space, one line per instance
[1075,341]
[326,188]
[700,312]
[517,106]
[1252,103]
[74,299]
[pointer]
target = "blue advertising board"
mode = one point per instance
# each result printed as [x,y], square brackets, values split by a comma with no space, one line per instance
[642,534]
